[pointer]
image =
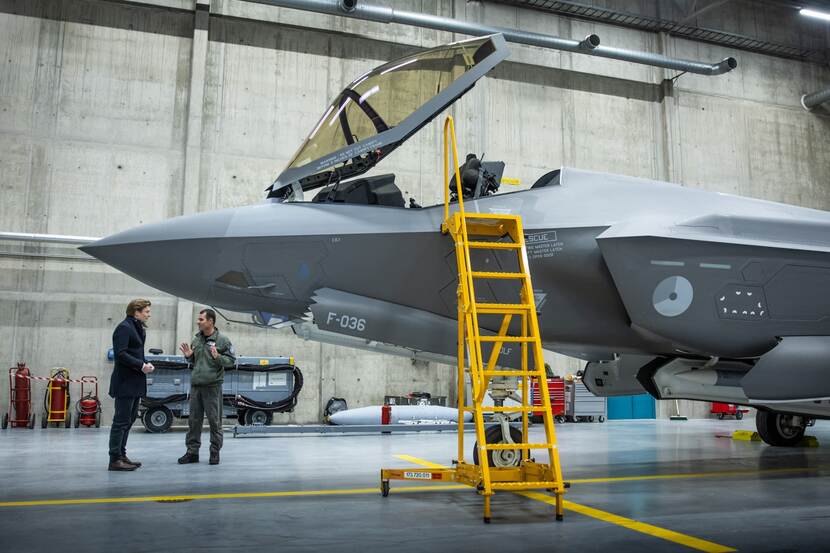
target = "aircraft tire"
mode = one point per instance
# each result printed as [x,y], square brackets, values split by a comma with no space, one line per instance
[502,457]
[776,429]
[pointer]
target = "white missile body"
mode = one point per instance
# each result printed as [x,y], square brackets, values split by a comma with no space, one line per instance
[400,414]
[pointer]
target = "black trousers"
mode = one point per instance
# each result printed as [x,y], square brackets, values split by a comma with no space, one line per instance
[126,411]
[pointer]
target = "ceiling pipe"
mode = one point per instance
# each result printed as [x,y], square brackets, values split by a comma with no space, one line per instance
[46,238]
[589,46]
[809,101]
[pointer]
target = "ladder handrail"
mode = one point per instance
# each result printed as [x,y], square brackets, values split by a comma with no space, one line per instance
[449,129]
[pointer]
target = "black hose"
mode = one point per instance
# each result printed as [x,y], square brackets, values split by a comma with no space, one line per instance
[288,403]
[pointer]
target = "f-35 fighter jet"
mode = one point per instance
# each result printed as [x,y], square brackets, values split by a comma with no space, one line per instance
[676,291]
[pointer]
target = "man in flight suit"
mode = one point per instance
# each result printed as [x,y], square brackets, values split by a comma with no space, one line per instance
[210,353]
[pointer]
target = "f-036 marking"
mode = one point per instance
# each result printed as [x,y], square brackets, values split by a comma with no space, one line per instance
[346,321]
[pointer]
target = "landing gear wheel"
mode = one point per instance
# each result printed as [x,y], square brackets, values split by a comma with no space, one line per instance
[780,429]
[500,458]
[157,419]
[384,489]
[5,421]
[258,416]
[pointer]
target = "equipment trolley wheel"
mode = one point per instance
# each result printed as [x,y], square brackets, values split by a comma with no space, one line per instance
[258,416]
[45,420]
[32,421]
[157,419]
[384,488]
[5,421]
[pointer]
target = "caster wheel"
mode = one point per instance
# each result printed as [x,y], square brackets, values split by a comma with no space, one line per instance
[384,489]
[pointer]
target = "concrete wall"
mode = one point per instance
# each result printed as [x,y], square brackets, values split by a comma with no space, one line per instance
[114,114]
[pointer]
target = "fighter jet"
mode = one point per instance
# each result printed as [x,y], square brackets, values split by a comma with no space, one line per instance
[679,292]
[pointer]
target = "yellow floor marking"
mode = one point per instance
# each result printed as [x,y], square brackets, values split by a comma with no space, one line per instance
[642,527]
[354,491]
[421,462]
[713,474]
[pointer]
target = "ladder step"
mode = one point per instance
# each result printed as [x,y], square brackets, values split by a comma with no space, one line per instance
[494,274]
[543,485]
[517,446]
[497,216]
[509,409]
[503,308]
[512,373]
[507,338]
[494,245]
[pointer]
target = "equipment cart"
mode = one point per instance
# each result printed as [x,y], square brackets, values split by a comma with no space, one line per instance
[255,389]
[581,405]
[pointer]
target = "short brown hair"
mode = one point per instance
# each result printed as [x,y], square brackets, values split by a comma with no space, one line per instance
[209,314]
[137,305]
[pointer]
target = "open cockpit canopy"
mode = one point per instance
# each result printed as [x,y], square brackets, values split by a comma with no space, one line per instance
[381,109]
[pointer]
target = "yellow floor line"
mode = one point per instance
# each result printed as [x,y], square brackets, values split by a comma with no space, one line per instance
[713,474]
[419,488]
[421,462]
[642,527]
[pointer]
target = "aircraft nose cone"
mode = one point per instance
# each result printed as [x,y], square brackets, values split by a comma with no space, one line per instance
[177,256]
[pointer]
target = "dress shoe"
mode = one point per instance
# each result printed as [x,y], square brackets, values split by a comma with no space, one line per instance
[120,464]
[214,458]
[127,460]
[188,458]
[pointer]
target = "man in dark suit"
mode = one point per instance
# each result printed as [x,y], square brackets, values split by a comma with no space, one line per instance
[128,383]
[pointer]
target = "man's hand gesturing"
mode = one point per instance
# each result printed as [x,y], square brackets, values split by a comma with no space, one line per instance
[186,349]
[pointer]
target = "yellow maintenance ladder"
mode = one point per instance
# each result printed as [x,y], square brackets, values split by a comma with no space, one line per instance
[491,232]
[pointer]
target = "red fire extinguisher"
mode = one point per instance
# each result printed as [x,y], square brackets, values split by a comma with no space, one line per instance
[19,412]
[56,402]
[22,393]
[88,408]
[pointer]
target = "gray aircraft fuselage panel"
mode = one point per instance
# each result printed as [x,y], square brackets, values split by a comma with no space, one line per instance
[596,290]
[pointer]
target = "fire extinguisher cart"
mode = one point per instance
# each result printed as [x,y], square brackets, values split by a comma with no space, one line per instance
[88,408]
[19,413]
[56,400]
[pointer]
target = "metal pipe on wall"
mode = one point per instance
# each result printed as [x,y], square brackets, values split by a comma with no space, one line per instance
[809,101]
[590,46]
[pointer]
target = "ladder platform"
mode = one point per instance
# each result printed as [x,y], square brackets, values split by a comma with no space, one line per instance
[517,486]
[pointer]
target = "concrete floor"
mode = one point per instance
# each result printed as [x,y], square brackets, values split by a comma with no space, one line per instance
[741,495]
